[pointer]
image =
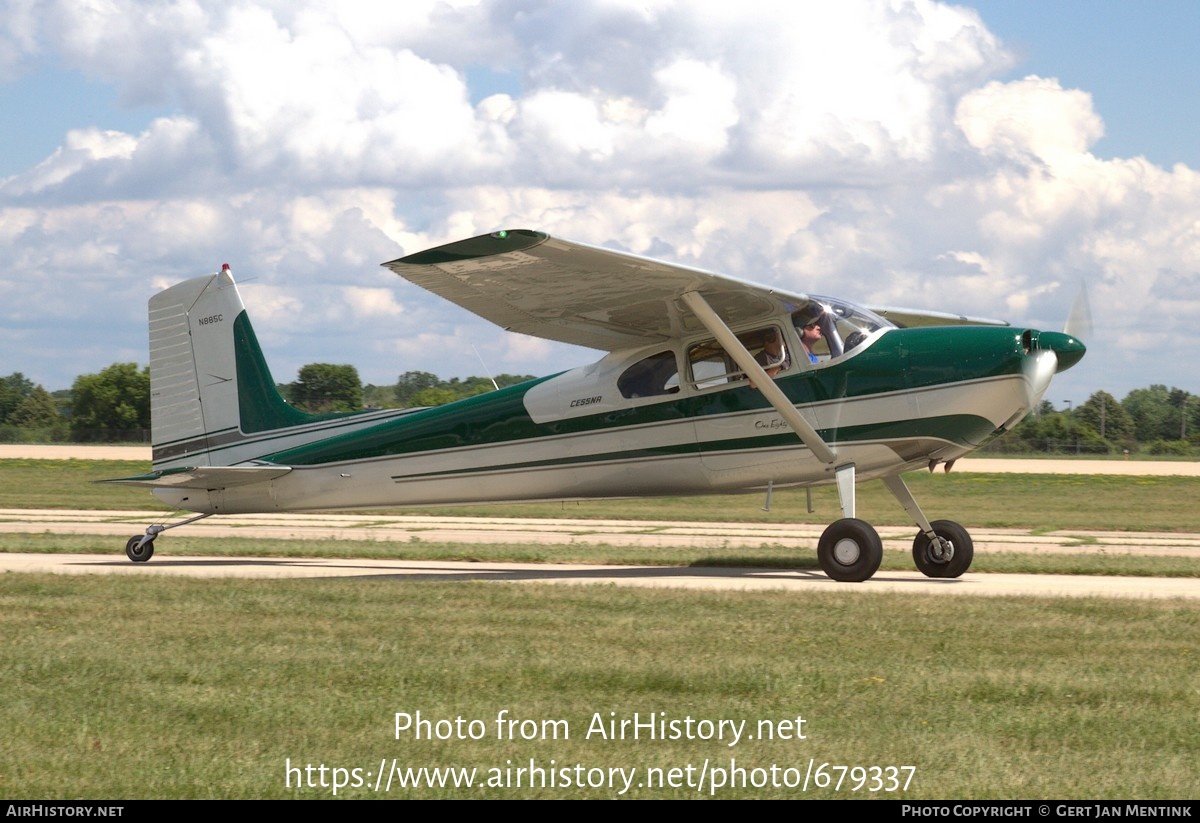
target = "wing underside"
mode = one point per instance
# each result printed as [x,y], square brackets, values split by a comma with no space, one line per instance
[532,283]
[529,282]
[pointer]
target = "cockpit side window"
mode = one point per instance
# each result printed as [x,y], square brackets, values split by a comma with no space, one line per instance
[710,365]
[651,376]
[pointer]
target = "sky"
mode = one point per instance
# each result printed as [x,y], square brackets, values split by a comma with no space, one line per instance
[994,159]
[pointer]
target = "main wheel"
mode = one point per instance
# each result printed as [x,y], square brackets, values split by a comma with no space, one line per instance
[850,550]
[934,559]
[136,553]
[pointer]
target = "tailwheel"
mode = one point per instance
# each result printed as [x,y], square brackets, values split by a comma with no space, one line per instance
[850,550]
[140,547]
[137,551]
[948,556]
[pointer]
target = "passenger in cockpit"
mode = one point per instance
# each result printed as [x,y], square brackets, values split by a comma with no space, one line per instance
[774,357]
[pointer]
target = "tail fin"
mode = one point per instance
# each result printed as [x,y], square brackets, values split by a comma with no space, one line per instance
[209,383]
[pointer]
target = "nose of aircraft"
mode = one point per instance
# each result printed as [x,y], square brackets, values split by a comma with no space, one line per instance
[1067,348]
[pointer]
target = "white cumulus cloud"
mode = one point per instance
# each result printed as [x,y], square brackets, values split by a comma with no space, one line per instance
[858,148]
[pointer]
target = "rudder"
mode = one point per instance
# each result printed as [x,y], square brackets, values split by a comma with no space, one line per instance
[193,368]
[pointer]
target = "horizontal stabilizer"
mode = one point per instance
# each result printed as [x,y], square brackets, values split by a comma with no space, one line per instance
[204,477]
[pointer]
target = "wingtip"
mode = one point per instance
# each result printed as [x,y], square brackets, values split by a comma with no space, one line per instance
[503,241]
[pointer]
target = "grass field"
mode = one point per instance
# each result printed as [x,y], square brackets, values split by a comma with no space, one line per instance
[146,687]
[141,687]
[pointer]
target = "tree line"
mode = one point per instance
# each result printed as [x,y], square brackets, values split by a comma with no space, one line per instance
[1155,420]
[114,405]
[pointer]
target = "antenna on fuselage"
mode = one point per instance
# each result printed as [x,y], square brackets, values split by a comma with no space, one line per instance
[486,370]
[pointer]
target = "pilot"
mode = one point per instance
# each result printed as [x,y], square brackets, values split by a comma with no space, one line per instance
[808,323]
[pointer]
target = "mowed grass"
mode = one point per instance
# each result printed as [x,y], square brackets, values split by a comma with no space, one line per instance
[1045,502]
[144,687]
[141,687]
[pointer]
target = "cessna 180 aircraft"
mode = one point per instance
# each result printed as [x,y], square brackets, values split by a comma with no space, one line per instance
[710,385]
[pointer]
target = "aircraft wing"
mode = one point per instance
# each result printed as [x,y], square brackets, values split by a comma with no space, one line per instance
[909,318]
[204,477]
[528,282]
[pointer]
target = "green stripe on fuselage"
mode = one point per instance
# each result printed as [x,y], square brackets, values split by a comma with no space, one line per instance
[900,361]
[958,429]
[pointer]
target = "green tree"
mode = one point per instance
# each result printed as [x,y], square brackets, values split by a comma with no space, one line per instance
[469,387]
[1152,414]
[1106,417]
[379,397]
[38,410]
[13,389]
[421,388]
[115,400]
[504,380]
[1055,432]
[434,397]
[412,382]
[1180,401]
[324,387]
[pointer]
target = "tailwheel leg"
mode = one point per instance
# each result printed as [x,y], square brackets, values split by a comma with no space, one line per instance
[140,547]
[942,548]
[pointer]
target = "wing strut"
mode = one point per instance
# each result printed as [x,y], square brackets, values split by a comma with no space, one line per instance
[774,395]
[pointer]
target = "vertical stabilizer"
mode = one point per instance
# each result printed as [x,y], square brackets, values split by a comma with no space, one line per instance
[209,383]
[193,368]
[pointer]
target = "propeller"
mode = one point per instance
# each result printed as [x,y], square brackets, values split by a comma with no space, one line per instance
[1063,349]
[1079,321]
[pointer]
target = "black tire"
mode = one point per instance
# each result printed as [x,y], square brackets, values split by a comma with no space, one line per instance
[139,554]
[850,550]
[930,559]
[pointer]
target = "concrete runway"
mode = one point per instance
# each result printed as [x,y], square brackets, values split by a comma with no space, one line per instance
[113,528]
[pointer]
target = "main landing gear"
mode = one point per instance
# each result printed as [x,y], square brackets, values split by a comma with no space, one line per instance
[140,547]
[850,550]
[948,554]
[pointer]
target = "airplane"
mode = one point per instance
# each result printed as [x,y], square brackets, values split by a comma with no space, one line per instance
[710,384]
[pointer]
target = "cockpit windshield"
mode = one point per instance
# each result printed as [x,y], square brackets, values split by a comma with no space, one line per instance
[831,328]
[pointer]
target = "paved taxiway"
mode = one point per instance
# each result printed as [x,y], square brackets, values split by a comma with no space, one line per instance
[696,577]
[691,577]
[112,528]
